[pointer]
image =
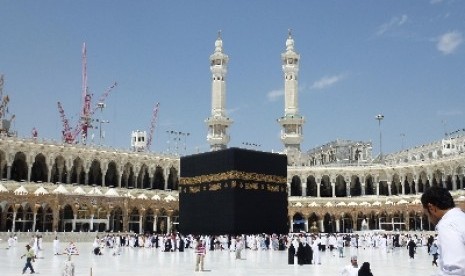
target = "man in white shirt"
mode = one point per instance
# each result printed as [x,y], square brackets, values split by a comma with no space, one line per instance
[439,206]
[352,269]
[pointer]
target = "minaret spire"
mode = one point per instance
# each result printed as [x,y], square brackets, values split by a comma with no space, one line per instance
[292,121]
[218,122]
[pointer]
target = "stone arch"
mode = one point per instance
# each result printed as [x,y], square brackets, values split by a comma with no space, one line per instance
[149,220]
[369,187]
[298,222]
[409,184]
[312,189]
[329,223]
[9,219]
[325,187]
[44,219]
[395,184]
[448,182]
[341,189]
[111,176]
[159,179]
[19,168]
[3,165]
[143,179]
[78,174]
[355,186]
[24,218]
[437,178]
[66,218]
[313,220]
[39,171]
[346,223]
[59,171]
[95,173]
[173,181]
[296,186]
[127,180]
[423,182]
[116,220]
[134,220]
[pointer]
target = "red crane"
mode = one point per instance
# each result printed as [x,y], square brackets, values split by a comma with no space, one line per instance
[70,135]
[152,125]
[66,132]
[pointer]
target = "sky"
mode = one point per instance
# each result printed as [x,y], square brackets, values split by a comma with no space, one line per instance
[402,59]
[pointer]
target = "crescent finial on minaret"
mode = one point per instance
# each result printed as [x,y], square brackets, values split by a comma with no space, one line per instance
[219,34]
[289,32]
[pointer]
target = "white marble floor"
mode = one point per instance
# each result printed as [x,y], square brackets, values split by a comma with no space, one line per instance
[144,262]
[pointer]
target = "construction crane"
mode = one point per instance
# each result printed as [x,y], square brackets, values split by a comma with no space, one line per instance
[66,132]
[4,122]
[152,125]
[70,135]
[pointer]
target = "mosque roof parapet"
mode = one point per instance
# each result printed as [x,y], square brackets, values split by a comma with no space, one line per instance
[27,188]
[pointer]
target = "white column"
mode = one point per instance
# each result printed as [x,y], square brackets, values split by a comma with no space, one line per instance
[91,223]
[333,189]
[73,227]
[34,217]
[291,224]
[338,225]
[304,189]
[155,218]
[318,185]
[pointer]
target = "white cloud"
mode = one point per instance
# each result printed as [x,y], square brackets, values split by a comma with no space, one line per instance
[393,23]
[327,81]
[448,42]
[275,95]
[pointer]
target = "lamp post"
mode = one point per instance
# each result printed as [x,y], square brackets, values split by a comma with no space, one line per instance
[380,117]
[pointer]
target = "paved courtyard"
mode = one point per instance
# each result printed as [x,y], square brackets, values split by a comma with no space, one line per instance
[144,262]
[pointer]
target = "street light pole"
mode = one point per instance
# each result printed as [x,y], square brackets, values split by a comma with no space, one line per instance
[380,117]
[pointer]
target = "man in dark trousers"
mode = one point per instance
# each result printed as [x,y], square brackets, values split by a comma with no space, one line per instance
[30,257]
[411,246]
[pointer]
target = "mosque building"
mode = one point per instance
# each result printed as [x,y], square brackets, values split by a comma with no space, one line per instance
[48,186]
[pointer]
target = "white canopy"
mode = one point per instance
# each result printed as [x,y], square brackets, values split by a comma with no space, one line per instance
[170,198]
[313,204]
[41,191]
[402,201]
[389,202]
[3,189]
[298,204]
[79,191]
[111,192]
[342,203]
[95,191]
[156,197]
[416,201]
[376,203]
[142,196]
[364,204]
[21,191]
[129,195]
[352,204]
[60,190]
[328,204]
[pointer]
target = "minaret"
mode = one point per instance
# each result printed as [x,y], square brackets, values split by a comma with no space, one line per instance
[292,121]
[218,122]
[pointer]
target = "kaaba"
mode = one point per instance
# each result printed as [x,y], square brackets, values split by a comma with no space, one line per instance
[233,191]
